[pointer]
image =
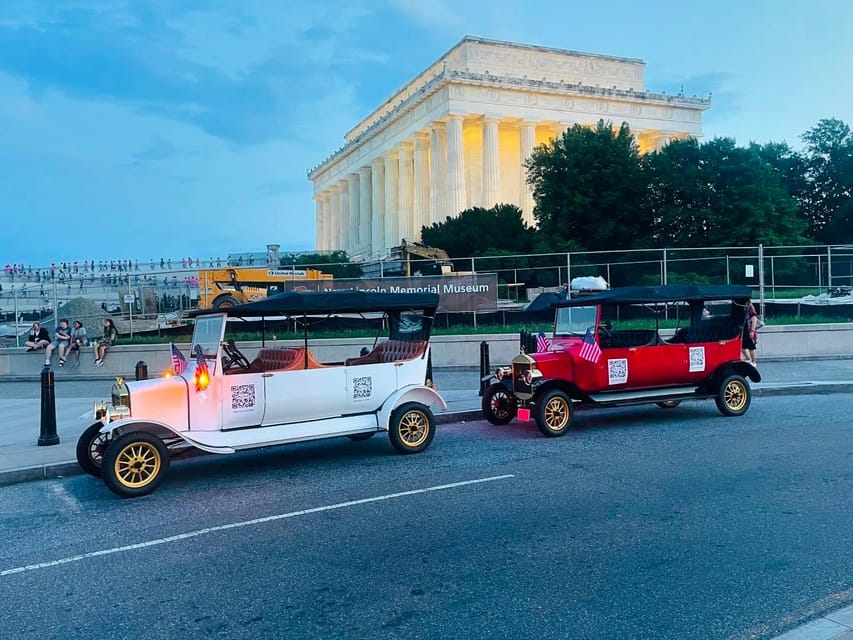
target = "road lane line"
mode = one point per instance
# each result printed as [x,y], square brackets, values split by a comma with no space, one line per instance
[247,523]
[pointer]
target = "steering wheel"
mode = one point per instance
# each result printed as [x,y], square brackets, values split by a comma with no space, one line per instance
[235,356]
[605,328]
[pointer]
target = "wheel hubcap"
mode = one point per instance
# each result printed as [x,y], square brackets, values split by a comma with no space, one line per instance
[556,414]
[735,396]
[500,405]
[96,449]
[414,428]
[137,464]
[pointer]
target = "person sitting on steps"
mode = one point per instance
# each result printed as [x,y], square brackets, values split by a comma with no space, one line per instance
[78,340]
[37,338]
[108,339]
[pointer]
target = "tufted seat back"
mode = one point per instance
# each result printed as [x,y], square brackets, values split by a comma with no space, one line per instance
[391,351]
[279,359]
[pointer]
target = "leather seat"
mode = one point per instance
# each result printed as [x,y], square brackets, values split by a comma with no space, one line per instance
[391,351]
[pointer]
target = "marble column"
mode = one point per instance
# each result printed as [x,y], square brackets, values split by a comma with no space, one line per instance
[343,216]
[491,163]
[334,218]
[365,193]
[392,236]
[405,192]
[437,173]
[456,197]
[528,142]
[318,222]
[377,218]
[354,213]
[421,201]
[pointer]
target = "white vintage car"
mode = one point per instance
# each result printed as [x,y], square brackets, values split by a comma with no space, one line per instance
[223,402]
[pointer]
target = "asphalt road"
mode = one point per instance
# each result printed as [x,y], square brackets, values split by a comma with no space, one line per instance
[643,523]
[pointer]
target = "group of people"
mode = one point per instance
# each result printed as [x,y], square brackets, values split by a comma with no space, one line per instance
[69,341]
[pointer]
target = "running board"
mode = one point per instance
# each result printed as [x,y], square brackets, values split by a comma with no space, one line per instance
[648,395]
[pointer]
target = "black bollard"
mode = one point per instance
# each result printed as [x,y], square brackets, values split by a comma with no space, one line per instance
[485,367]
[142,370]
[48,434]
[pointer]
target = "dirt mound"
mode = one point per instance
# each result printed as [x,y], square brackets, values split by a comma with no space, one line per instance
[86,311]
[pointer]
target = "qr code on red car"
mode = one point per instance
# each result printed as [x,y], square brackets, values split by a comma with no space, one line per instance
[697,358]
[362,388]
[243,397]
[617,371]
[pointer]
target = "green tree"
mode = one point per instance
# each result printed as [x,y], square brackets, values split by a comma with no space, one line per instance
[337,263]
[829,159]
[718,194]
[588,188]
[476,231]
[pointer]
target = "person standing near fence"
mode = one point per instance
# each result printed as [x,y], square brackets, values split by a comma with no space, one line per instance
[749,340]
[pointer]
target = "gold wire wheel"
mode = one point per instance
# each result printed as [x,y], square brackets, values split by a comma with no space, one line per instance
[413,427]
[556,414]
[735,395]
[137,464]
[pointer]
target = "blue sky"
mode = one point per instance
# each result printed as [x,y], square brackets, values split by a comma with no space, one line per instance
[148,128]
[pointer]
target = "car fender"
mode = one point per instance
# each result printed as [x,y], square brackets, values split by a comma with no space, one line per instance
[160,429]
[738,367]
[543,385]
[414,393]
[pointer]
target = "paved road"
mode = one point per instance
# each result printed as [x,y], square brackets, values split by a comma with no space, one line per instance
[644,523]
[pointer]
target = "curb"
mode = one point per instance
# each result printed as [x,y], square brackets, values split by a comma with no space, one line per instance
[71,468]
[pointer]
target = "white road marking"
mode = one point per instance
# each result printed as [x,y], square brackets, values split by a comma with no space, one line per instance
[60,492]
[247,523]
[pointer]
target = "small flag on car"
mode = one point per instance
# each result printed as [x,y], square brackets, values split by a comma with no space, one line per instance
[179,363]
[202,376]
[590,350]
[542,343]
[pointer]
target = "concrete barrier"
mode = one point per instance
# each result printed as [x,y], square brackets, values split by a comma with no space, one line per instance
[775,342]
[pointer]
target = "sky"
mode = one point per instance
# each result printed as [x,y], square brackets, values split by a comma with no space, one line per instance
[138,129]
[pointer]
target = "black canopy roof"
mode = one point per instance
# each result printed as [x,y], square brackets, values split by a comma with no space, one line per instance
[662,293]
[326,302]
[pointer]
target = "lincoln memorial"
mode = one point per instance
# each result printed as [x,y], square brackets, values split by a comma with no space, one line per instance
[457,136]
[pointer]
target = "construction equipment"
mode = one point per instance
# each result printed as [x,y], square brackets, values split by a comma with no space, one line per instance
[226,287]
[418,259]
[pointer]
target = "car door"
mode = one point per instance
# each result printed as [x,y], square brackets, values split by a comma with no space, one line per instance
[304,394]
[242,400]
[368,385]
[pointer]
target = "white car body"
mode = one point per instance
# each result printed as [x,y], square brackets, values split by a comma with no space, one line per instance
[258,406]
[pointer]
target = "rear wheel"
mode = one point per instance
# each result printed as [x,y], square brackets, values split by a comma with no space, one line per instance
[361,436]
[411,428]
[554,413]
[90,449]
[734,396]
[668,404]
[499,404]
[135,464]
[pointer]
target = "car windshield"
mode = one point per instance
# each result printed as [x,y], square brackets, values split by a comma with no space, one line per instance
[574,321]
[208,332]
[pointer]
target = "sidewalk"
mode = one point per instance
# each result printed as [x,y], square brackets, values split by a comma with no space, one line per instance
[21,459]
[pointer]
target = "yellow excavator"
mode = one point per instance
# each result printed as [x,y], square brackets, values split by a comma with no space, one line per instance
[418,259]
[229,286]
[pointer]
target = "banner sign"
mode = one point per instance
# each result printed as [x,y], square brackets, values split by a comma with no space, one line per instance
[457,293]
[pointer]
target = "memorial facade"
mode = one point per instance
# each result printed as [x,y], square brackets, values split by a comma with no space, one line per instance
[457,136]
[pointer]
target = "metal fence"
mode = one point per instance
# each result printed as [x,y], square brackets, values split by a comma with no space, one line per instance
[150,296]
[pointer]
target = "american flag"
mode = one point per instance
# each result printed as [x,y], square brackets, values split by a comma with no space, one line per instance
[590,350]
[542,343]
[201,374]
[179,363]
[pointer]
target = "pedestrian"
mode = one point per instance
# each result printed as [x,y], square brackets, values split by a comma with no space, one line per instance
[749,340]
[38,338]
[78,340]
[106,341]
[61,341]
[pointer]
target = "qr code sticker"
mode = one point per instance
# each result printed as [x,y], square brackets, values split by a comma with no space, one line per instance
[243,397]
[617,371]
[362,388]
[697,358]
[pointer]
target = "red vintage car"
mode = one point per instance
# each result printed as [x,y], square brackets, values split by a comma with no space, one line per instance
[608,349]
